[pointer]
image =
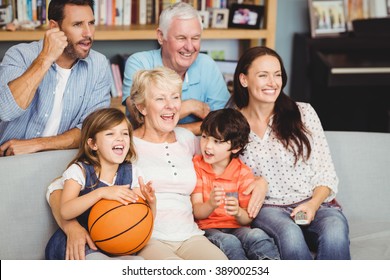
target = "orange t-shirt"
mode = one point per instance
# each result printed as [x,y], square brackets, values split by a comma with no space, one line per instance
[235,179]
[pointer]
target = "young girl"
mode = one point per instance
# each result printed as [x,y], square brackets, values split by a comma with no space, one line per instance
[104,159]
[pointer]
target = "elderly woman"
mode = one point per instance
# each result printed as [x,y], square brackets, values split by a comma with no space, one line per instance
[165,157]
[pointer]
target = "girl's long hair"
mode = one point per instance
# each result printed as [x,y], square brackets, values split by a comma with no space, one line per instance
[287,121]
[100,120]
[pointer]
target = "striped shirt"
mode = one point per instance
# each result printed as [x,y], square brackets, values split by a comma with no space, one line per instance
[88,89]
[235,179]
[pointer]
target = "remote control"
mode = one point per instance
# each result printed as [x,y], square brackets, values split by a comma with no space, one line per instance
[301,218]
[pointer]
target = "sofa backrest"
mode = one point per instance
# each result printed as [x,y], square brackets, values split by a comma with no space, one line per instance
[26,219]
[362,162]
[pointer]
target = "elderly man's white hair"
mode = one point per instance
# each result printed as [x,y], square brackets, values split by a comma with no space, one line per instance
[179,10]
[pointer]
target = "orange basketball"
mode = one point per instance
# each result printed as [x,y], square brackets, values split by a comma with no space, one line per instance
[120,229]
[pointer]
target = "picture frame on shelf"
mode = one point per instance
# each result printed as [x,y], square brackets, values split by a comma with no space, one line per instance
[220,18]
[205,16]
[5,14]
[388,7]
[327,18]
[246,16]
[356,9]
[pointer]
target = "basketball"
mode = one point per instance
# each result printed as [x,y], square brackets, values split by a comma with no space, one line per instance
[119,229]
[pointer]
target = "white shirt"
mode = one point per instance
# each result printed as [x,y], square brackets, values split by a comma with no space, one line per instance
[54,119]
[169,166]
[76,173]
[289,183]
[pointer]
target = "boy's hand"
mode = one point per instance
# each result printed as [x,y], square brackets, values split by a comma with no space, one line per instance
[231,206]
[216,196]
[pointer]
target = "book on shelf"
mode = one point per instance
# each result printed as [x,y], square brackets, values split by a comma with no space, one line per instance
[126,12]
[142,12]
[117,78]
[149,12]
[111,12]
[134,12]
[120,60]
[114,92]
[96,10]
[102,16]
[28,9]
[118,12]
[109,17]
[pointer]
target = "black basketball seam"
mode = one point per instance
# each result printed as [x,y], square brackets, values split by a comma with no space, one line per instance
[147,237]
[101,216]
[143,218]
[112,209]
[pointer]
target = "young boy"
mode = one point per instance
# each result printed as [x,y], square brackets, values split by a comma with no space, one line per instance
[218,200]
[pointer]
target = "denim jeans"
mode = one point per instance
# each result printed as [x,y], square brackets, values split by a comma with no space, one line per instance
[243,243]
[56,247]
[327,234]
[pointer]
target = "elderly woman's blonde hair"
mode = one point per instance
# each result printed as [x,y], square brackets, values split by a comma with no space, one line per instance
[162,78]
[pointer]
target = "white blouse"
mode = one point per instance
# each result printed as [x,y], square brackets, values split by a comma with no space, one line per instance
[169,166]
[289,183]
[76,173]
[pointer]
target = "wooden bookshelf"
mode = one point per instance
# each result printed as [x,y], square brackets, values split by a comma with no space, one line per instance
[148,32]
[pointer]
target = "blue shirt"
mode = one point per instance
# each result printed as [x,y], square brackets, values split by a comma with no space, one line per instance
[88,89]
[203,81]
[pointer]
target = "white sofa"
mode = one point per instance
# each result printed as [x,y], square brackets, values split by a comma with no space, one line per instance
[362,162]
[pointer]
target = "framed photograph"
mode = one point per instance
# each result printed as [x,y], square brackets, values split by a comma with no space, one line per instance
[205,16]
[5,14]
[356,9]
[327,17]
[220,18]
[388,7]
[246,16]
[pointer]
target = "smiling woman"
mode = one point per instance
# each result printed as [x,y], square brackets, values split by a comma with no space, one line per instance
[179,36]
[156,95]
[165,157]
[288,148]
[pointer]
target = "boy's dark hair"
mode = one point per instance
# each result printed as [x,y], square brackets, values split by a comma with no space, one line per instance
[56,8]
[227,125]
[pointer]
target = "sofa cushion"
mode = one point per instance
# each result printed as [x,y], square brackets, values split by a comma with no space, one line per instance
[362,162]
[26,214]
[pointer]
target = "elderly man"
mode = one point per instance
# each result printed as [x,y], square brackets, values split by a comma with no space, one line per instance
[179,35]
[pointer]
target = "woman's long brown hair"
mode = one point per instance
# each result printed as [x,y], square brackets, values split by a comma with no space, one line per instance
[287,121]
